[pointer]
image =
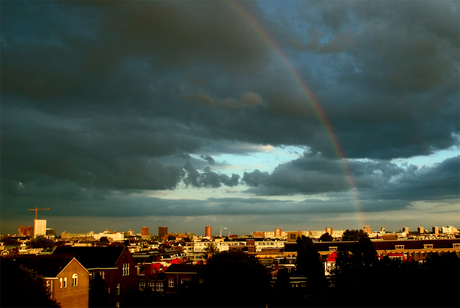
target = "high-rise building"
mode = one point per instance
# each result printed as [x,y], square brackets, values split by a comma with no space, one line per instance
[329,230]
[435,230]
[163,232]
[25,231]
[144,230]
[277,232]
[421,230]
[39,227]
[405,230]
[208,231]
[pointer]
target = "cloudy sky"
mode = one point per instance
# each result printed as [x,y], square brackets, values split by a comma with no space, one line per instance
[239,114]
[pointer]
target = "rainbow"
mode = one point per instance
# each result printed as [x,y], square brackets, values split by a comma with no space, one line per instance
[309,95]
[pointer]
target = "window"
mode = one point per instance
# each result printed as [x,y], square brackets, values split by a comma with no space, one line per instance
[125,269]
[160,286]
[171,282]
[399,247]
[141,286]
[332,248]
[184,280]
[74,280]
[119,289]
[49,287]
[428,246]
[65,282]
[60,283]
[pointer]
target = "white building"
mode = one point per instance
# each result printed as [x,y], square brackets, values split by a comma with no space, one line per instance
[114,237]
[39,227]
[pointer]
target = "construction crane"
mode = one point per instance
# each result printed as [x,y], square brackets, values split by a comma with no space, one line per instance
[36,211]
[221,230]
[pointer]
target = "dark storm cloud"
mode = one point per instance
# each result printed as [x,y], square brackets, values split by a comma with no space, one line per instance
[207,178]
[209,159]
[103,100]
[374,179]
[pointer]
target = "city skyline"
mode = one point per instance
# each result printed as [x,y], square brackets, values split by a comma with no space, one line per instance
[250,115]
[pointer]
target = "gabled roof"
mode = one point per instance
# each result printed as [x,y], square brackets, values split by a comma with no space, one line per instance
[93,257]
[47,266]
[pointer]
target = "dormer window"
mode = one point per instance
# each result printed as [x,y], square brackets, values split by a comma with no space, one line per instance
[428,246]
[399,247]
[332,248]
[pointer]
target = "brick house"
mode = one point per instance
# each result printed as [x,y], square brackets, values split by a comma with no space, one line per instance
[114,264]
[177,274]
[66,278]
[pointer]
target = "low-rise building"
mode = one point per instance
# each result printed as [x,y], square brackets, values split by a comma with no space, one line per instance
[114,264]
[65,277]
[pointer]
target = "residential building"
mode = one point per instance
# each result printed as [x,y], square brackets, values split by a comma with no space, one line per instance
[405,230]
[144,230]
[25,231]
[66,278]
[178,274]
[163,233]
[114,264]
[277,233]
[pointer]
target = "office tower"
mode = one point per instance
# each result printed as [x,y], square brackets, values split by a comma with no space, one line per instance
[329,230]
[435,230]
[39,227]
[144,230]
[208,231]
[367,229]
[421,230]
[162,232]
[405,230]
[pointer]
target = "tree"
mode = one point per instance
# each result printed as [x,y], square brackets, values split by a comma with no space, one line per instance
[98,296]
[354,235]
[236,273]
[326,237]
[41,242]
[211,249]
[308,264]
[24,287]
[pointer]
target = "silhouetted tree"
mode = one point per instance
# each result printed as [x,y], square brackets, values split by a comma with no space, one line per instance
[308,264]
[236,273]
[41,242]
[23,287]
[98,296]
[354,235]
[326,237]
